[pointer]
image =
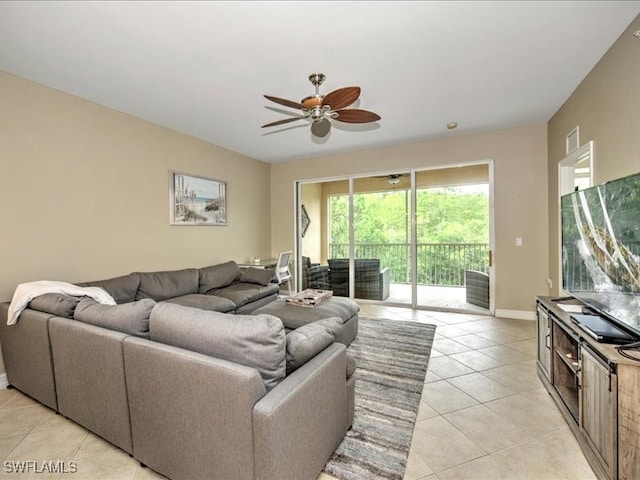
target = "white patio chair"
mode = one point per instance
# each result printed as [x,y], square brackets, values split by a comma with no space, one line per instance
[283,274]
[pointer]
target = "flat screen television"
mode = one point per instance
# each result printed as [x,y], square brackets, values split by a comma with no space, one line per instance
[601,250]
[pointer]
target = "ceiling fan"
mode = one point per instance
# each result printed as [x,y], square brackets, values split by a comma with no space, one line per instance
[392,178]
[320,108]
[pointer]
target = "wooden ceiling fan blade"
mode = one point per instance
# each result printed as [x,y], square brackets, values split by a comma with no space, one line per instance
[281,122]
[354,115]
[285,102]
[341,98]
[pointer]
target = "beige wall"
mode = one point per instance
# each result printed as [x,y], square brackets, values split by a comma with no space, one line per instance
[606,107]
[84,192]
[311,195]
[520,163]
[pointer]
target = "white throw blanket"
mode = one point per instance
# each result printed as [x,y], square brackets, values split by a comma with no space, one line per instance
[25,292]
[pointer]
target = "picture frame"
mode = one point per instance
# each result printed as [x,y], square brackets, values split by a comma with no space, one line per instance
[304,220]
[197,200]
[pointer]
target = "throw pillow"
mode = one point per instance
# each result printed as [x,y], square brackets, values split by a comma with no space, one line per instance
[131,318]
[57,304]
[307,341]
[256,341]
[259,276]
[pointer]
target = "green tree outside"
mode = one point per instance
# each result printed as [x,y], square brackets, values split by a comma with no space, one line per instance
[449,215]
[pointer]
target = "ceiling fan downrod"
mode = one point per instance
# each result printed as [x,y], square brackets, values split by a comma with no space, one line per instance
[314,102]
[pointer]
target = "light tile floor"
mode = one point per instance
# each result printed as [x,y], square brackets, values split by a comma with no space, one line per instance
[483,415]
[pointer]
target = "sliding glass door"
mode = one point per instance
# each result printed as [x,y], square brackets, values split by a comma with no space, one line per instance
[403,238]
[452,238]
[381,237]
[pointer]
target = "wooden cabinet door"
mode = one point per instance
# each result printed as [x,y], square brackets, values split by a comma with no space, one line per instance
[628,422]
[598,404]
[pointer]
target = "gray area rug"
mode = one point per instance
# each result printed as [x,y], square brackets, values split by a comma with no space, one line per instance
[391,358]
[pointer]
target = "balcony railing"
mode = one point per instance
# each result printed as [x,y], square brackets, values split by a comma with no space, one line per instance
[441,264]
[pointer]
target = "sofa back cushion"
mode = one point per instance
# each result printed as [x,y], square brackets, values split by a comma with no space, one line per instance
[57,304]
[123,289]
[259,276]
[167,284]
[256,341]
[131,318]
[218,276]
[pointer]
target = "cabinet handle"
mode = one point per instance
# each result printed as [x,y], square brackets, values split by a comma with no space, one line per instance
[547,340]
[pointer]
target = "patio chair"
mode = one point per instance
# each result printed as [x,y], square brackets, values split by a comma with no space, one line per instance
[371,282]
[283,274]
[314,275]
[477,285]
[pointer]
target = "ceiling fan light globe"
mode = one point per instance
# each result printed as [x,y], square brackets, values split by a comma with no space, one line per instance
[320,128]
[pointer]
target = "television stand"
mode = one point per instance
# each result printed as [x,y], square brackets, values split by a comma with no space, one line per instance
[562,299]
[596,390]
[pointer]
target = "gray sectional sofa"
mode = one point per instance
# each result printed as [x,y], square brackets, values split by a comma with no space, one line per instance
[191,392]
[221,288]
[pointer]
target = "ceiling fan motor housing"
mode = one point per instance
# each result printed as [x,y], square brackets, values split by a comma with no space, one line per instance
[312,101]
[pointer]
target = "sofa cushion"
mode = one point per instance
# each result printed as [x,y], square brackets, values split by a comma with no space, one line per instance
[167,284]
[256,341]
[242,293]
[259,276]
[294,316]
[123,289]
[57,304]
[307,341]
[218,276]
[205,302]
[131,318]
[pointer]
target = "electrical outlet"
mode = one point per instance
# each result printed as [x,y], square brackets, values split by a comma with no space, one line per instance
[550,282]
[518,241]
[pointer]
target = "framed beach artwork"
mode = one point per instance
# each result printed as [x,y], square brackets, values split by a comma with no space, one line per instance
[197,200]
[304,220]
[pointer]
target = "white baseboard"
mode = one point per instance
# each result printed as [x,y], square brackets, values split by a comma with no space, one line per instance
[3,381]
[516,314]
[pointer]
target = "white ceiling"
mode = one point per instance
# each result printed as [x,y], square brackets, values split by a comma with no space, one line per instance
[202,68]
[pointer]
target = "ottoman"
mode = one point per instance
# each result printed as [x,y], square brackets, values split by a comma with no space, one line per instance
[294,316]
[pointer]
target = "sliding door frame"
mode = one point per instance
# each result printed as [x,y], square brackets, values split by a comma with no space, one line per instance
[414,228]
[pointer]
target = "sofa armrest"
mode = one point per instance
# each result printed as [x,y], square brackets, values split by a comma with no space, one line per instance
[26,352]
[299,424]
[186,407]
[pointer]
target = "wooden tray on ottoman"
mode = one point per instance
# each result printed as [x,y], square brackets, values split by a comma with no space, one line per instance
[309,298]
